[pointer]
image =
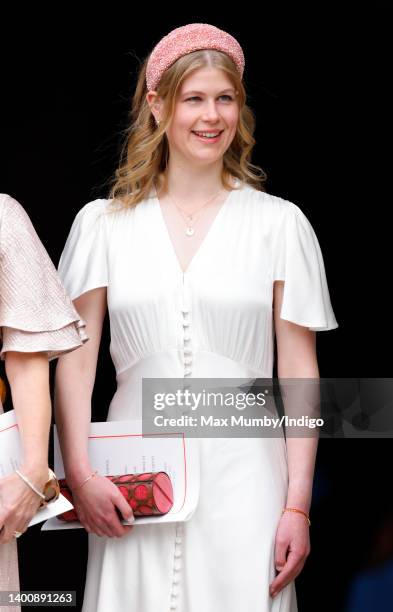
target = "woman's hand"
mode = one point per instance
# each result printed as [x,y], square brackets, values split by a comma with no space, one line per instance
[18,502]
[292,536]
[97,504]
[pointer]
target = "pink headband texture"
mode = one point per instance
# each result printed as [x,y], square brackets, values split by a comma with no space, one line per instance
[186,39]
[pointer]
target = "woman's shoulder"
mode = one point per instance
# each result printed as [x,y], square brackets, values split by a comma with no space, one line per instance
[94,208]
[14,220]
[103,209]
[269,207]
[10,206]
[92,216]
[267,200]
[7,200]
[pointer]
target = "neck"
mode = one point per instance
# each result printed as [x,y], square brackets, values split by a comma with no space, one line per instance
[192,186]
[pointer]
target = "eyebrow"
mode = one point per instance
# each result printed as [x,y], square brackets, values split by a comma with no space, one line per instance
[187,93]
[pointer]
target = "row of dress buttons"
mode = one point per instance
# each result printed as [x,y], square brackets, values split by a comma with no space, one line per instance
[176,568]
[187,361]
[187,351]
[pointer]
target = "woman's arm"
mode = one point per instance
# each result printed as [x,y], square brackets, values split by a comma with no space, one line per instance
[296,358]
[95,502]
[74,382]
[28,375]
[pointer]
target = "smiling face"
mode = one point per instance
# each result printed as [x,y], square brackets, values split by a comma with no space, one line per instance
[206,102]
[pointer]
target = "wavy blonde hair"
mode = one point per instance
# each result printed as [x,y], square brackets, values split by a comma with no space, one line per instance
[145,152]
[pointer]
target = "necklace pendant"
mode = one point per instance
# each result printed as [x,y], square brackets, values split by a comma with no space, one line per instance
[190,231]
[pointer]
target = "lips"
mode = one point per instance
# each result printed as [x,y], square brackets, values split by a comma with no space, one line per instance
[207,139]
[202,133]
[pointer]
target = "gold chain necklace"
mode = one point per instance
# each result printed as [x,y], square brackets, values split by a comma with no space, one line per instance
[190,231]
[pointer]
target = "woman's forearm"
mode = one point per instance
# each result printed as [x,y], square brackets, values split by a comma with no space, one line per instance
[75,376]
[300,385]
[73,416]
[28,375]
[302,403]
[301,464]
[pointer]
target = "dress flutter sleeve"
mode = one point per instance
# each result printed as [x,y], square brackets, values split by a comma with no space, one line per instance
[83,262]
[36,314]
[299,262]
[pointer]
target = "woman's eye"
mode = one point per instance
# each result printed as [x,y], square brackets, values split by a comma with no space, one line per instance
[198,98]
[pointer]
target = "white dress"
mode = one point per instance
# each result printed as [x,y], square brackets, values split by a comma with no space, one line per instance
[214,320]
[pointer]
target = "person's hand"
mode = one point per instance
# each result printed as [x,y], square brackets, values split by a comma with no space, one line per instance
[18,502]
[292,537]
[99,504]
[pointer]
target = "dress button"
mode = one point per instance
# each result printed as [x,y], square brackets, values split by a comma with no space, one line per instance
[186,324]
[175,579]
[174,606]
[187,360]
[178,540]
[175,591]
[186,336]
[185,309]
[187,351]
[177,554]
[187,372]
[177,566]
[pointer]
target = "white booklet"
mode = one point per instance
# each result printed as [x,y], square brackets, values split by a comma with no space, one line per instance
[10,460]
[118,447]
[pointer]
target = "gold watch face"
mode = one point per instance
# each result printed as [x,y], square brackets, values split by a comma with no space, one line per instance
[51,490]
[3,391]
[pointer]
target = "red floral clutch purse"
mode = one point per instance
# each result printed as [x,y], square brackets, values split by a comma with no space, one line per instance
[148,494]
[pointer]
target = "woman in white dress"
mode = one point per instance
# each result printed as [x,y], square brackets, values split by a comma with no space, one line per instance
[37,322]
[199,268]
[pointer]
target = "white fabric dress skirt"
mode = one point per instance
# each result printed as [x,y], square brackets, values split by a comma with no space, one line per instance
[214,320]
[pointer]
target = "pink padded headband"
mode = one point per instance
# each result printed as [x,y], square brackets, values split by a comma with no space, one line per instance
[186,39]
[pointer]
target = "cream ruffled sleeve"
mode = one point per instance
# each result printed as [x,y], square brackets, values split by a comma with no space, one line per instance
[298,261]
[36,314]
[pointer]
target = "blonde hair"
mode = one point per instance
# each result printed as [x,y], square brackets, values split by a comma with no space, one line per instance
[145,152]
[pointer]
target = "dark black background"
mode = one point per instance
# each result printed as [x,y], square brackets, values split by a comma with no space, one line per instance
[315,80]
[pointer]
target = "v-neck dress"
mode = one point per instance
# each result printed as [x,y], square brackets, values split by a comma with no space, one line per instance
[214,320]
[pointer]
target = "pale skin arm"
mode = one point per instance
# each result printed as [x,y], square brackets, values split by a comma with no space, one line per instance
[97,500]
[296,358]
[28,375]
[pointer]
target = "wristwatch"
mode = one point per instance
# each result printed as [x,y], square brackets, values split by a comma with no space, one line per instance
[51,489]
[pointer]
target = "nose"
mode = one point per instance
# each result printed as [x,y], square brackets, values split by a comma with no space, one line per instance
[210,112]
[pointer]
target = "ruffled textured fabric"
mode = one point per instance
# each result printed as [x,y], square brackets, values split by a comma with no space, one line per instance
[9,576]
[36,314]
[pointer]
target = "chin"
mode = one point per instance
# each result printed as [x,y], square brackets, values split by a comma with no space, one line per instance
[207,158]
